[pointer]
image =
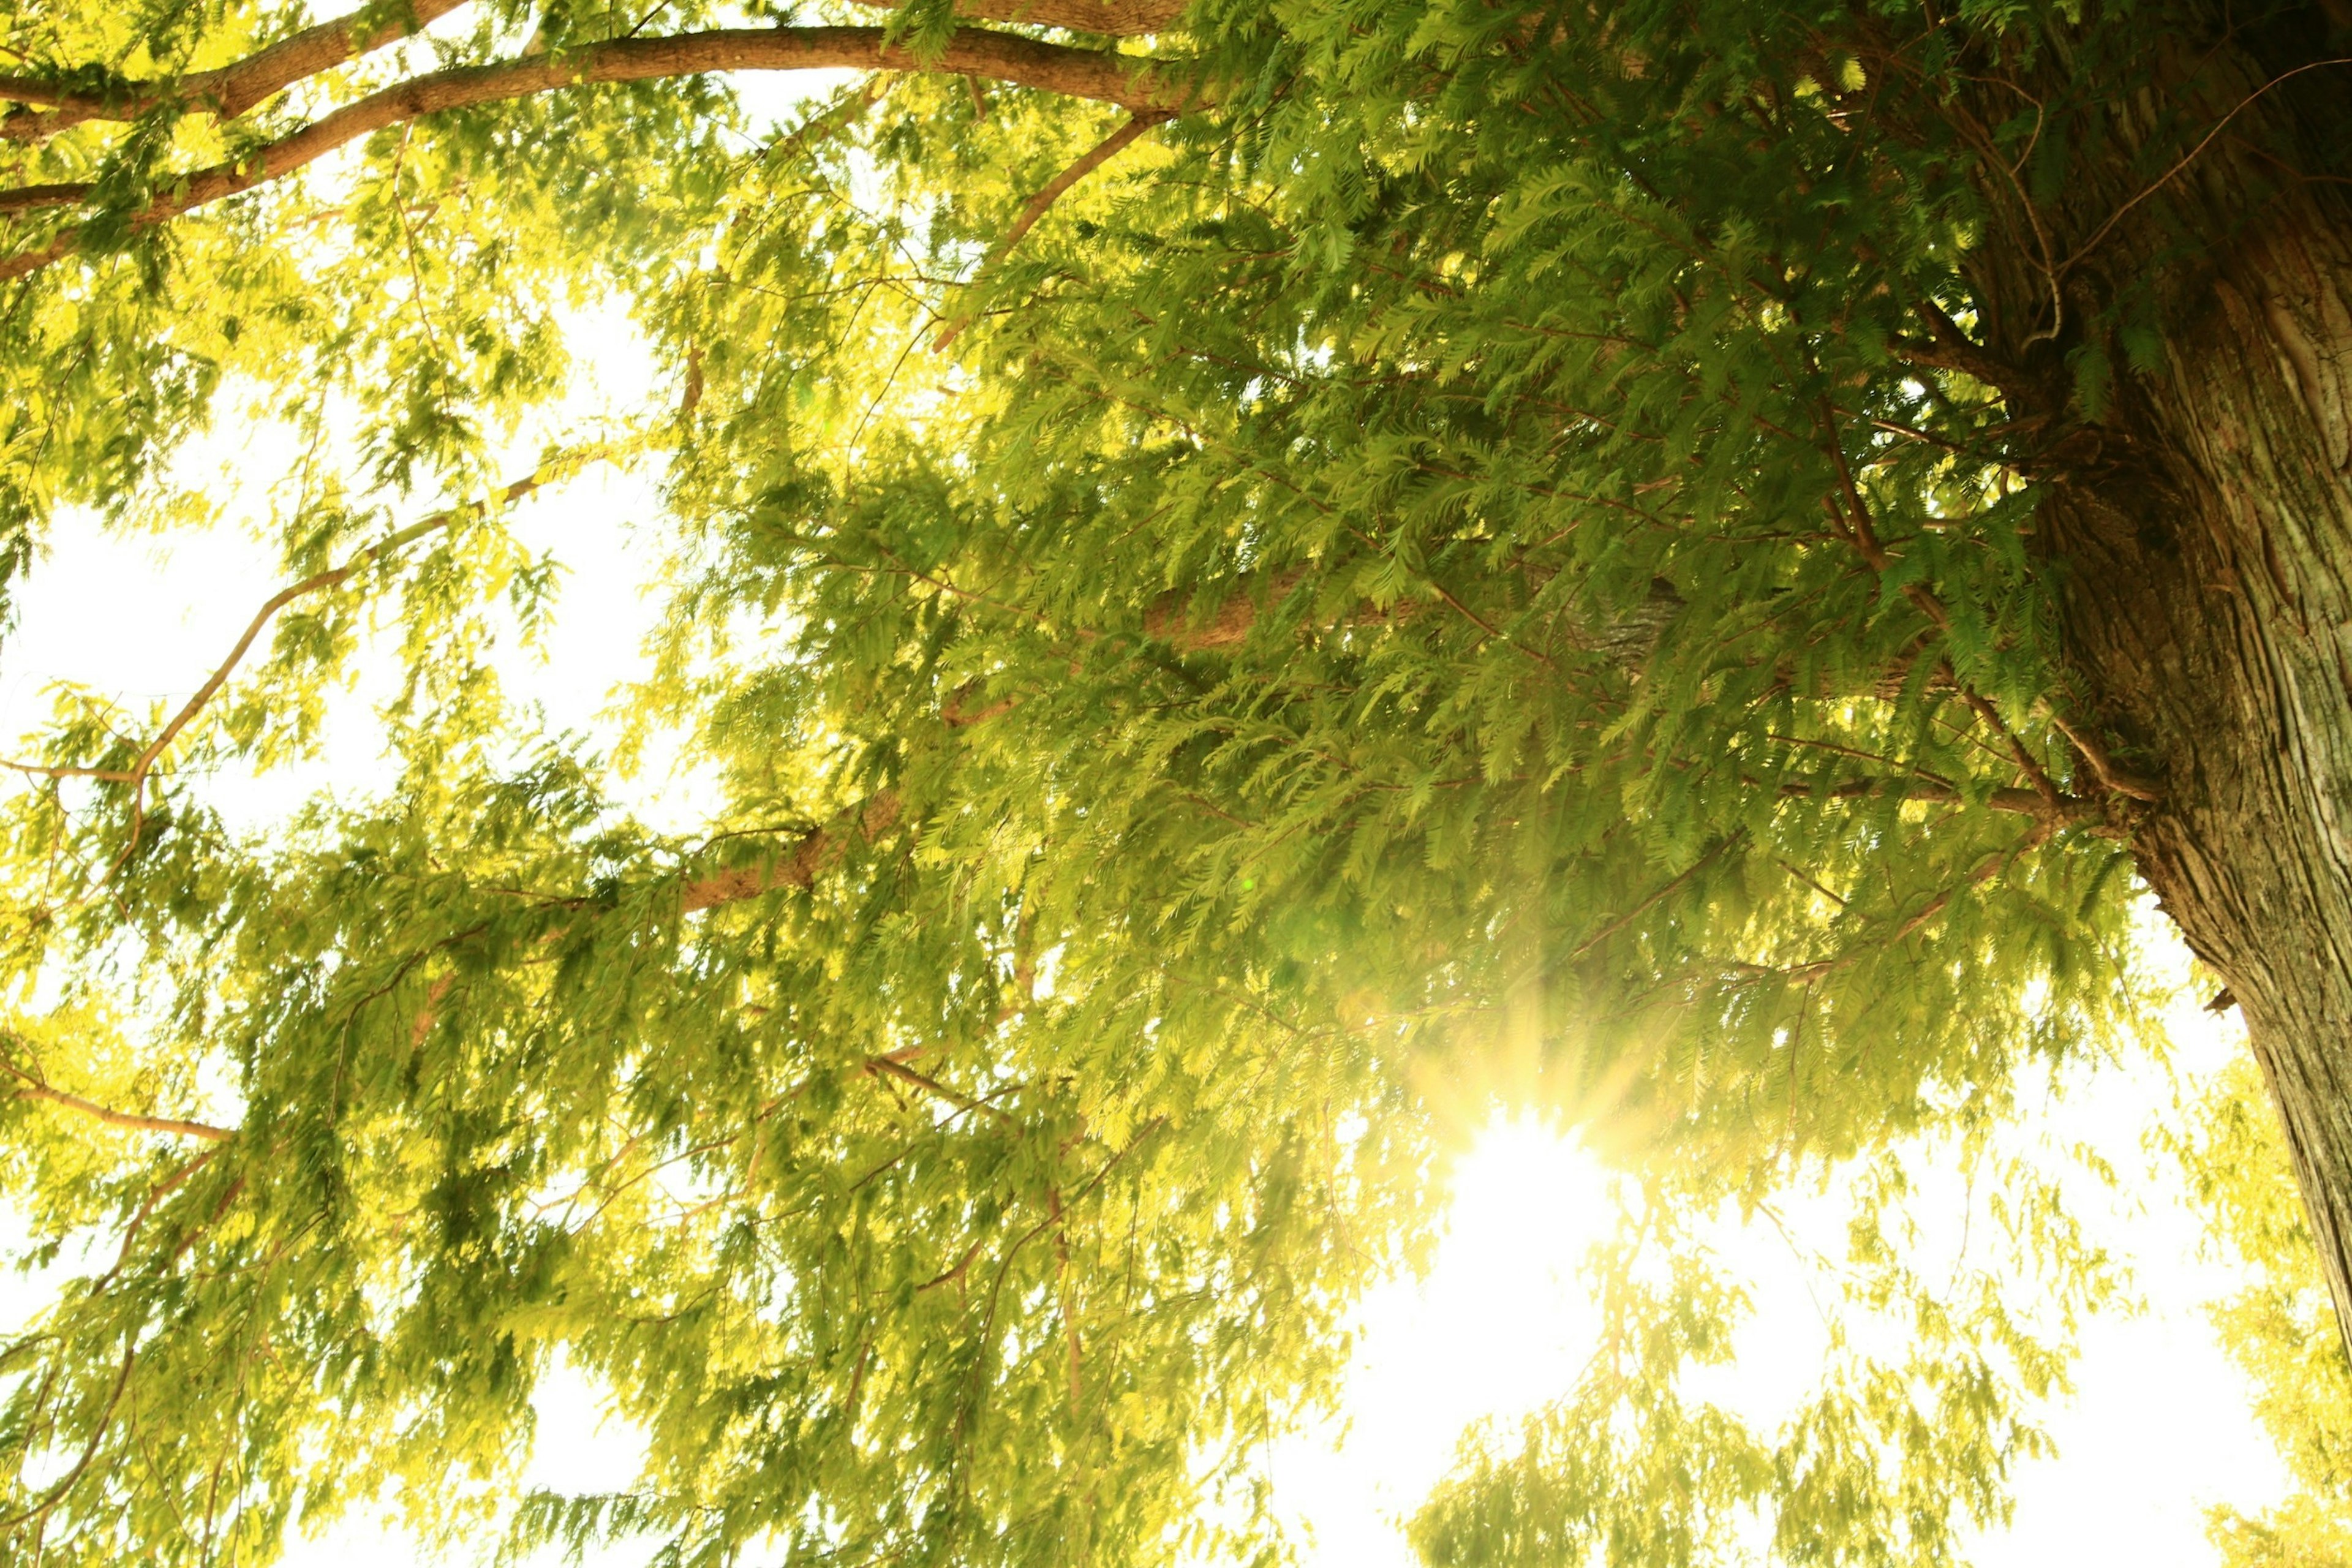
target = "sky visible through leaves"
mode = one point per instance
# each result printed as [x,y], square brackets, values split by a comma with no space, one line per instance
[2159,1433]
[865,608]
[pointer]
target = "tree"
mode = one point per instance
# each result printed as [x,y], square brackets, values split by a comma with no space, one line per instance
[1230,561]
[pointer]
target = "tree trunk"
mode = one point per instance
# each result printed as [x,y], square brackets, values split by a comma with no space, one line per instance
[2203,535]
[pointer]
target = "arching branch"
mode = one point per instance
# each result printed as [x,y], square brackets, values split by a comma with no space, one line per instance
[227,91]
[1132,83]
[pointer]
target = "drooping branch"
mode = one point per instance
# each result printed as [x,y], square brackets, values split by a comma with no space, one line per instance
[1132,83]
[1111,18]
[228,91]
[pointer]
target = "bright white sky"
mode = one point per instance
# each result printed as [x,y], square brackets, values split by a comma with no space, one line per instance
[2159,1432]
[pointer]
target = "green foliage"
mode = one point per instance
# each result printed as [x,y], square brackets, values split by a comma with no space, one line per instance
[2280,1329]
[1447,566]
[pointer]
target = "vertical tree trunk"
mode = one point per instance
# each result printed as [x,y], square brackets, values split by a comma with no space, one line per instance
[2205,547]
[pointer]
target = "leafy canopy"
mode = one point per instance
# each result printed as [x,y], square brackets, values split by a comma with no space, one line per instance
[1234,581]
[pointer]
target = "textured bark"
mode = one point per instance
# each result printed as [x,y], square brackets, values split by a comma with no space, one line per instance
[2210,610]
[2202,533]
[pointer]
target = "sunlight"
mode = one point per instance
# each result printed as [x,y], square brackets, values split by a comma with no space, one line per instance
[1499,1326]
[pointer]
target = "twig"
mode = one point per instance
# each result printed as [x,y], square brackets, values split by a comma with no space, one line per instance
[2189,157]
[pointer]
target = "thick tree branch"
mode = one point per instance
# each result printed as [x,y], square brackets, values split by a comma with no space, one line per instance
[1952,350]
[31,198]
[1086,163]
[128,1121]
[812,854]
[1132,83]
[227,91]
[817,850]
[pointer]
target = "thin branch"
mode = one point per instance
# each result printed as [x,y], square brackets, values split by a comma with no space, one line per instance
[885,1067]
[1037,207]
[56,1493]
[136,773]
[1097,74]
[1853,521]
[228,91]
[2187,158]
[2058,811]
[1638,910]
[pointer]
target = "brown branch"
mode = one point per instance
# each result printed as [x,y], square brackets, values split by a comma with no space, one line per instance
[1087,163]
[227,91]
[136,773]
[1638,910]
[32,199]
[2186,159]
[818,849]
[1039,205]
[1111,18]
[2103,766]
[1123,79]
[2057,810]
[1953,350]
[889,1067]
[1072,1350]
[1860,532]
[1986,869]
[32,1087]
[65,1483]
